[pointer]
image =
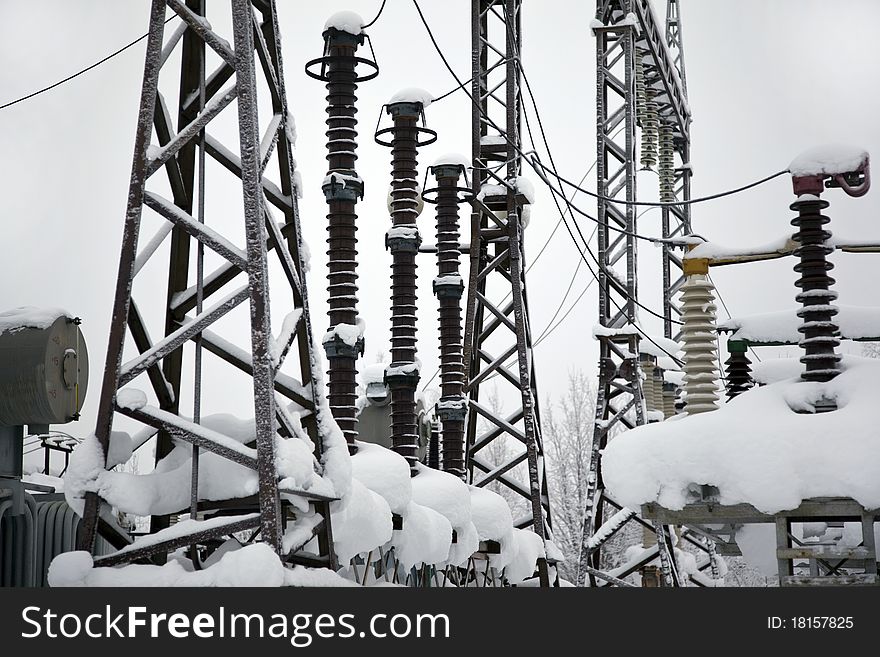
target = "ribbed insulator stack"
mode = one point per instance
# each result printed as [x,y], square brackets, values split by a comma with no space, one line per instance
[657,381]
[403,240]
[739,374]
[698,338]
[647,366]
[433,460]
[666,165]
[817,312]
[449,288]
[650,130]
[342,187]
[641,115]
[668,399]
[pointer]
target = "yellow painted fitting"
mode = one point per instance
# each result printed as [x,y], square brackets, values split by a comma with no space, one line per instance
[692,266]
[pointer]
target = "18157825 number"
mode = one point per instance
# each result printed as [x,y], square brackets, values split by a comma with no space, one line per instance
[821,622]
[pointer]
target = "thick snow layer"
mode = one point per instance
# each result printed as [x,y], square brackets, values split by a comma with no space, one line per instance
[529,549]
[494,522]
[131,398]
[715,251]
[251,565]
[493,140]
[121,447]
[23,317]
[413,95]
[449,279]
[373,373]
[336,460]
[525,187]
[425,538]
[553,552]
[286,335]
[350,334]
[324,577]
[757,542]
[757,449]
[467,542]
[607,332]
[521,184]
[629,19]
[346,21]
[44,480]
[167,488]
[403,233]
[453,158]
[771,370]
[385,472]
[361,522]
[491,189]
[828,160]
[408,368]
[443,492]
[855,323]
[661,348]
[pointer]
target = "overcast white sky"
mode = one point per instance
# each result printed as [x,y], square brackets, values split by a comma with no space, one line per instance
[767,79]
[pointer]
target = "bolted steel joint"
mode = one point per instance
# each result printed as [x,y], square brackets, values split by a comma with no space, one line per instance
[404,110]
[338,188]
[447,171]
[445,288]
[398,242]
[336,347]
[341,38]
[452,414]
[398,379]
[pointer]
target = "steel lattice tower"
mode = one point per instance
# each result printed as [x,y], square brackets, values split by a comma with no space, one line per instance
[253,63]
[497,320]
[676,219]
[620,44]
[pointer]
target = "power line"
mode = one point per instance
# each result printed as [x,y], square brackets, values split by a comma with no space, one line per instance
[379,13]
[453,90]
[568,203]
[729,315]
[516,147]
[522,154]
[78,73]
[667,204]
[548,331]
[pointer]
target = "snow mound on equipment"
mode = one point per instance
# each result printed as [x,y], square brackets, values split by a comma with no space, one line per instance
[767,447]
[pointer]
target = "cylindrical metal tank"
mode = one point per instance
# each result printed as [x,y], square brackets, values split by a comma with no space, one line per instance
[44,368]
[374,416]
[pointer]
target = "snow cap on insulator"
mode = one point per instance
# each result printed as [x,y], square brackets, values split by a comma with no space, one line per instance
[346,21]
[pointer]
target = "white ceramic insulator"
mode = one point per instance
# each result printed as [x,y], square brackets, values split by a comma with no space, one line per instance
[668,403]
[698,336]
[648,385]
[658,391]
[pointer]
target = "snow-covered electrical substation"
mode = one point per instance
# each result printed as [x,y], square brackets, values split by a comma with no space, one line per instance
[352,476]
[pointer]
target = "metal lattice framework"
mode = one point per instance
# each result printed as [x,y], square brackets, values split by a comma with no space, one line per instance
[181,155]
[497,319]
[622,46]
[676,219]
